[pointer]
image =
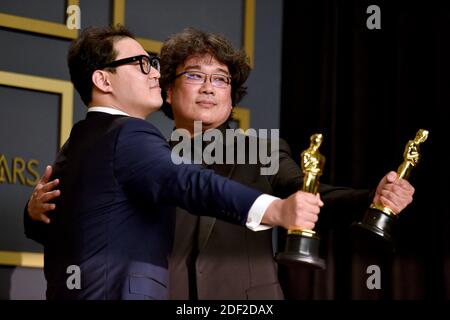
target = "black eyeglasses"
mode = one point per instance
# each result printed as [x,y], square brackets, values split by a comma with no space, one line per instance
[146,63]
[198,77]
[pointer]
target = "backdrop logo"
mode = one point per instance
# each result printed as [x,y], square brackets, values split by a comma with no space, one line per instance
[18,170]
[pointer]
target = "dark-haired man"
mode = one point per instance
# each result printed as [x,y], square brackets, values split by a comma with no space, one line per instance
[207,252]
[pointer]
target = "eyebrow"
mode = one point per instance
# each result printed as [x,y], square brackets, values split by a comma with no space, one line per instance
[198,67]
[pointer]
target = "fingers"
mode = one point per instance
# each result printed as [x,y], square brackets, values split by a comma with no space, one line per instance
[43,218]
[396,206]
[39,199]
[391,176]
[309,198]
[376,199]
[390,183]
[39,204]
[305,221]
[406,186]
[48,196]
[43,192]
[401,188]
[43,185]
[47,174]
[47,207]
[50,185]
[38,208]
[307,209]
[305,226]
[38,212]
[319,199]
[395,202]
[396,195]
[387,179]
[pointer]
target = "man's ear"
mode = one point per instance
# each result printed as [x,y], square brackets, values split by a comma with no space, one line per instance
[169,95]
[100,79]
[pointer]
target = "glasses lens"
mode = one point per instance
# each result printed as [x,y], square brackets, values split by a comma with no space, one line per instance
[154,62]
[194,77]
[219,80]
[149,62]
[145,64]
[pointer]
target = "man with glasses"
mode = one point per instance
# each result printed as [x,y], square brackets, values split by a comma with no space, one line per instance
[145,62]
[113,222]
[203,78]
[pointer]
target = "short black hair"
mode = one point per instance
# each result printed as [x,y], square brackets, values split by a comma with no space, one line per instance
[93,48]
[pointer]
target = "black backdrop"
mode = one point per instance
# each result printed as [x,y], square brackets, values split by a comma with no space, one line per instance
[368,92]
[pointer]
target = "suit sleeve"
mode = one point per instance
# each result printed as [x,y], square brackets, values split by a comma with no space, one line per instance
[143,166]
[342,205]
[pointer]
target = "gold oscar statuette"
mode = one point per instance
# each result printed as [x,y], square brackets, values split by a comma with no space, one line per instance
[380,219]
[302,245]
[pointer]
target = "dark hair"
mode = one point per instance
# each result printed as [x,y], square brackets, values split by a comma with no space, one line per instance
[93,48]
[191,42]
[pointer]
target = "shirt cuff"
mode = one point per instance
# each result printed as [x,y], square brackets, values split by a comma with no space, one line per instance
[257,211]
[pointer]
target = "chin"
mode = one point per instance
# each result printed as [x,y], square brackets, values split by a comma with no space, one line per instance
[156,102]
[206,116]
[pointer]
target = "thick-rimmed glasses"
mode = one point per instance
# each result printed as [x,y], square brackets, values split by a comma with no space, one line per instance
[197,77]
[145,62]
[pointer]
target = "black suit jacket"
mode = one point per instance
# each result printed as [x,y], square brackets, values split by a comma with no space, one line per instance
[213,259]
[115,216]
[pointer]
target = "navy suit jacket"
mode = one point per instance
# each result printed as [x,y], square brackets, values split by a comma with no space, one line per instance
[115,216]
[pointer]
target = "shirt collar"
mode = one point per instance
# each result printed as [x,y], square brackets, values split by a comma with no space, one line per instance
[107,110]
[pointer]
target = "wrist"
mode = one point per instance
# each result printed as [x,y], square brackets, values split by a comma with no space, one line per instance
[272,214]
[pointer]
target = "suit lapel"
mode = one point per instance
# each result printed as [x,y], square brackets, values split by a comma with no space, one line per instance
[206,224]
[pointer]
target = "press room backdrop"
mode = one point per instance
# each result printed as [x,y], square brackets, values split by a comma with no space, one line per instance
[38,104]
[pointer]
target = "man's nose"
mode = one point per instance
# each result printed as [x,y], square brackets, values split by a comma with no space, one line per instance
[154,73]
[207,87]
